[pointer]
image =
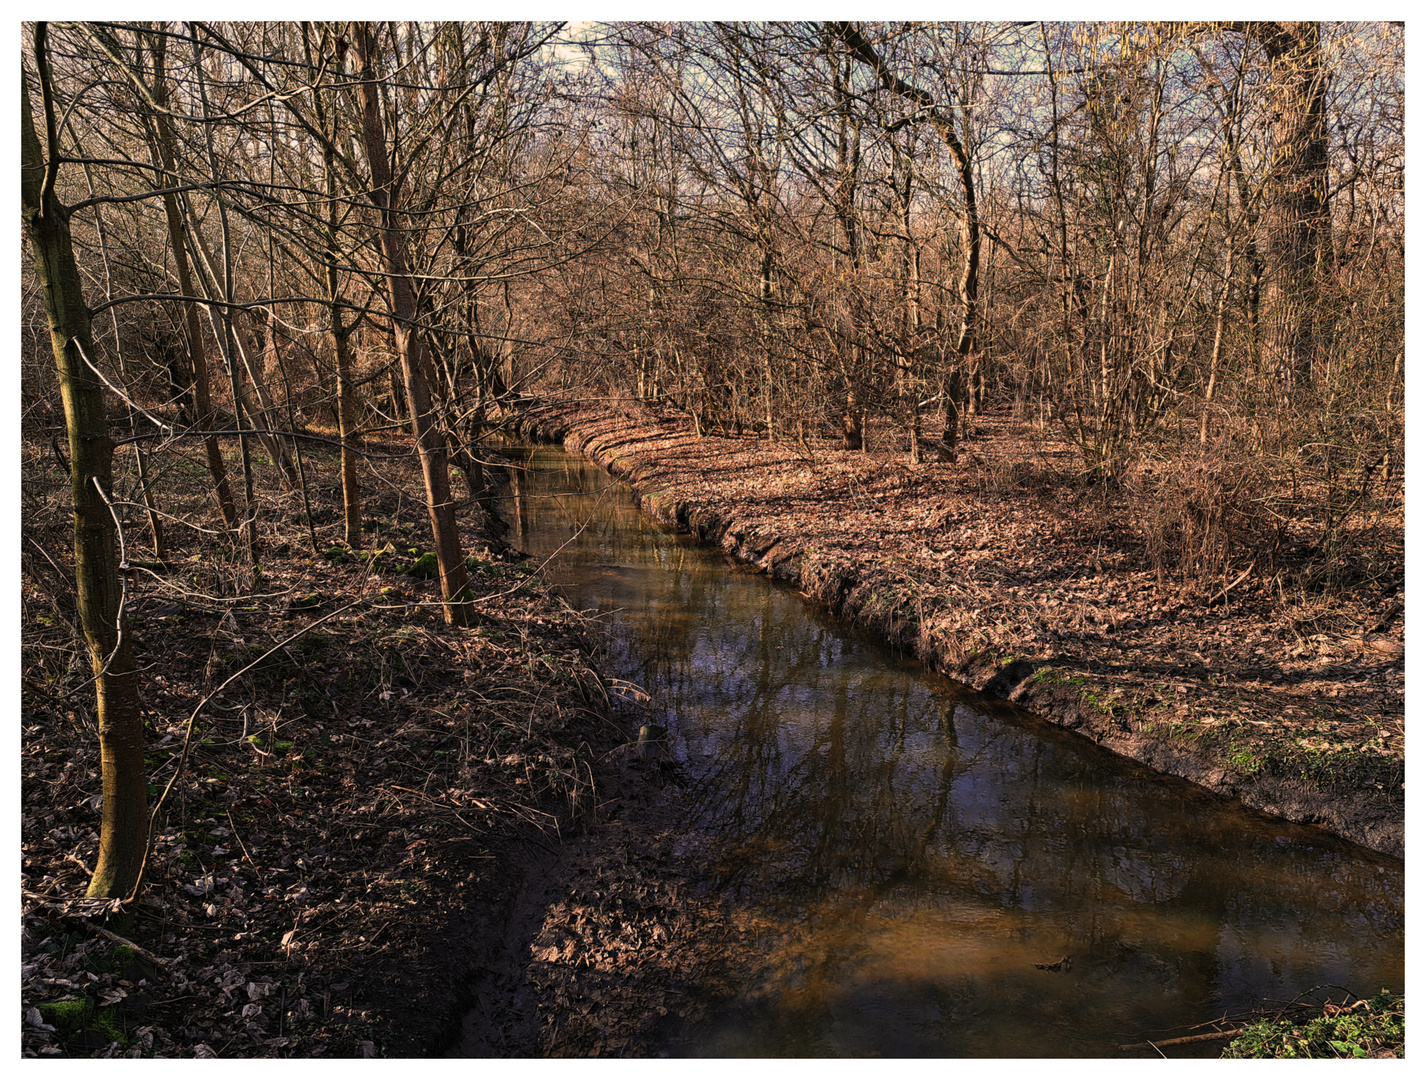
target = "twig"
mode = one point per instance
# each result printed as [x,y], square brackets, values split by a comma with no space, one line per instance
[156,961]
[192,726]
[1183,1040]
[168,428]
[246,854]
[72,857]
[1227,589]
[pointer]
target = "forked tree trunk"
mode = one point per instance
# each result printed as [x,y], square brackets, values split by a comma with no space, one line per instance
[449,557]
[123,831]
[968,285]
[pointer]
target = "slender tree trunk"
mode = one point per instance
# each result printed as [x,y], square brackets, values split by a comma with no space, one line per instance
[449,557]
[165,153]
[346,417]
[223,329]
[968,285]
[123,831]
[339,332]
[1219,325]
[141,457]
[257,404]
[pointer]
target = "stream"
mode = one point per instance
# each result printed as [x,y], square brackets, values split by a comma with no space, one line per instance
[920,847]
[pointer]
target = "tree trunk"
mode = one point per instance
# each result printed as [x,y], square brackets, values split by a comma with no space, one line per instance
[222,320]
[123,832]
[853,419]
[449,557]
[346,417]
[968,285]
[257,404]
[339,331]
[141,457]
[1296,216]
[165,154]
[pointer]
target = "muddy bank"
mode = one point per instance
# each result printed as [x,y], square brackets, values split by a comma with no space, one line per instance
[1045,602]
[616,943]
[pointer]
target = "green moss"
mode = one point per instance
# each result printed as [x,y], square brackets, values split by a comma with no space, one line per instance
[425,566]
[67,1016]
[1094,701]
[313,642]
[1332,769]
[107,1024]
[476,565]
[1049,676]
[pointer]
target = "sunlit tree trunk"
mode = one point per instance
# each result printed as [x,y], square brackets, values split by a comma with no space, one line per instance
[1296,215]
[141,457]
[956,383]
[123,828]
[223,318]
[164,150]
[339,331]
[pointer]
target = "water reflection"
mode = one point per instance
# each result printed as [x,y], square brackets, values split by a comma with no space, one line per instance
[924,848]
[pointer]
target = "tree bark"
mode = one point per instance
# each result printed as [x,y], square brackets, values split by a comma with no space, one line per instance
[1296,215]
[340,331]
[123,832]
[436,472]
[222,319]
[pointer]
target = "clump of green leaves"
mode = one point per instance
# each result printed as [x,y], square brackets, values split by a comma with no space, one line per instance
[1363,1029]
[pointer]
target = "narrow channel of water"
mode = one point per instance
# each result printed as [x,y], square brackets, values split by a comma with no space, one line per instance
[919,849]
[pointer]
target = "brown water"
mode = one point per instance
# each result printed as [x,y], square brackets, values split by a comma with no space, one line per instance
[919,848]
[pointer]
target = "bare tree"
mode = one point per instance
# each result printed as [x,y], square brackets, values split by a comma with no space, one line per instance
[385,196]
[123,829]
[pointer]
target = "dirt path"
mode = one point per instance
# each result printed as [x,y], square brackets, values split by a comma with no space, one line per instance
[1291,701]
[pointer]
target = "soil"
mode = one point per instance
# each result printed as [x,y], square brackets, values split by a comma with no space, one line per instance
[1000,572]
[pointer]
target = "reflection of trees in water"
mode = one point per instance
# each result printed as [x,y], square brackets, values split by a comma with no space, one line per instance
[833,778]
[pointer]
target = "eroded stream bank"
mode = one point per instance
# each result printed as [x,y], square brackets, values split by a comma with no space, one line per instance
[1292,705]
[853,856]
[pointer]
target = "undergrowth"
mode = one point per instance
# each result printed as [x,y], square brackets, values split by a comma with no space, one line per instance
[1362,1029]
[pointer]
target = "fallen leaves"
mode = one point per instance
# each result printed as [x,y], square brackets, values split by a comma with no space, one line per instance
[346,800]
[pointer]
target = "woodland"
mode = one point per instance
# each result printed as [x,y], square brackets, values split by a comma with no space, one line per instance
[292,707]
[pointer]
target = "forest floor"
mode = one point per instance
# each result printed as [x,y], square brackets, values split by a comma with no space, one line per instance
[1005,572]
[383,823]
